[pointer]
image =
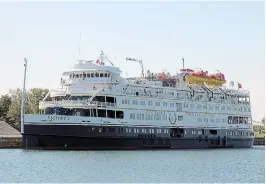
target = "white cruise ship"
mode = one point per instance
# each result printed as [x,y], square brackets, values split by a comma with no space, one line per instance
[96,108]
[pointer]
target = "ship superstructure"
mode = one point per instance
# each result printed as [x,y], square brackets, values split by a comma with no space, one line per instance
[96,108]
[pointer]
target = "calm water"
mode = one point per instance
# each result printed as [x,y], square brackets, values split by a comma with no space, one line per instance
[228,165]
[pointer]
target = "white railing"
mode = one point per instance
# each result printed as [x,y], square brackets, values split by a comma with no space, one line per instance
[75,103]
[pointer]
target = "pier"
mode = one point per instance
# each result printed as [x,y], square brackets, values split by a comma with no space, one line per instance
[9,137]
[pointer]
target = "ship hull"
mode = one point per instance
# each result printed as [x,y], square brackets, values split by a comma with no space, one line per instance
[77,137]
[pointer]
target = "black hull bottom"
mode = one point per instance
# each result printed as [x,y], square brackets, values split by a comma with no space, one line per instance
[93,143]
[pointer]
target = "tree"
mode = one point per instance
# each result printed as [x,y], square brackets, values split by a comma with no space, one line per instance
[14,109]
[32,98]
[5,102]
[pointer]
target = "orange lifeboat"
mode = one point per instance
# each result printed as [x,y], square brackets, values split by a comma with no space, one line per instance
[162,76]
[216,79]
[197,77]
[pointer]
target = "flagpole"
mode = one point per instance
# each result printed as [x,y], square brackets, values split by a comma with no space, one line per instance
[23,98]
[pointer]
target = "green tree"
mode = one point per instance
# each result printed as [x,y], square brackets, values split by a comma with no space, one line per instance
[5,102]
[32,98]
[35,95]
[14,109]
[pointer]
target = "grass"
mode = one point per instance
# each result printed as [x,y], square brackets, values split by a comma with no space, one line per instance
[259,135]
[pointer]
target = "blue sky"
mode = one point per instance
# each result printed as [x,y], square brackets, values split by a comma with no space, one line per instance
[228,36]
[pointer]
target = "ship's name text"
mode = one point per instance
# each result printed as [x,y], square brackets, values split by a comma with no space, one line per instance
[53,118]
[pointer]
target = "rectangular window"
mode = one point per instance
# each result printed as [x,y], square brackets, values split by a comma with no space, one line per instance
[179,107]
[180,118]
[132,115]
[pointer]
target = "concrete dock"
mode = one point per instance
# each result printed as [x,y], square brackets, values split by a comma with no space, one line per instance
[9,137]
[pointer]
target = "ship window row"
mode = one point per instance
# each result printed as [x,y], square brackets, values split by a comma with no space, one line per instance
[210,107]
[159,92]
[89,75]
[150,103]
[130,130]
[239,133]
[85,112]
[239,120]
[141,116]
[211,120]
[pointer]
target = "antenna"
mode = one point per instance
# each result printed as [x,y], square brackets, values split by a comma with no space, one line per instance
[79,43]
[23,98]
[183,62]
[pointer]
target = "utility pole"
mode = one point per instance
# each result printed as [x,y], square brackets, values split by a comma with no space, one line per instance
[23,98]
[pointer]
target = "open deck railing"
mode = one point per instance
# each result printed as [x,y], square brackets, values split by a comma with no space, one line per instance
[75,103]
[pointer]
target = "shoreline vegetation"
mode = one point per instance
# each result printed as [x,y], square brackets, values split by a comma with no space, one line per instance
[10,105]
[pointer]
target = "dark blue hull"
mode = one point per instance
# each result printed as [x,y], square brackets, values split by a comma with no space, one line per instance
[80,137]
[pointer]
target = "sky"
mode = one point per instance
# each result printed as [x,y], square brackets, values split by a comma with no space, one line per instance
[225,36]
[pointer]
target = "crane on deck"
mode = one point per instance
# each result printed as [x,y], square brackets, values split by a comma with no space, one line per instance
[140,62]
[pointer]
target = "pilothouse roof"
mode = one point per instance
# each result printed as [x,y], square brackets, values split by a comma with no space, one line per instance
[98,65]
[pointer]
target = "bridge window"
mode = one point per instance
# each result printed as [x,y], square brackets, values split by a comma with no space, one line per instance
[101,74]
[88,75]
[96,74]
[105,75]
[77,75]
[92,75]
[80,75]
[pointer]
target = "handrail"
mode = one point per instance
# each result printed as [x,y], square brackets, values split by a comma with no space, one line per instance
[76,102]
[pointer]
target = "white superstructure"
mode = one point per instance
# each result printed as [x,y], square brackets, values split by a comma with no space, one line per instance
[147,101]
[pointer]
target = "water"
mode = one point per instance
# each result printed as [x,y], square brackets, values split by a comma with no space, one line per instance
[216,165]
